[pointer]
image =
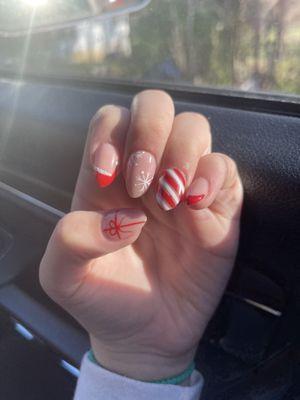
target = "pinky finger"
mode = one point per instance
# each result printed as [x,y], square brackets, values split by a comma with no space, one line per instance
[216,185]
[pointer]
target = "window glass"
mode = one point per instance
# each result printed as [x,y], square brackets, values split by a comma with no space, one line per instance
[248,45]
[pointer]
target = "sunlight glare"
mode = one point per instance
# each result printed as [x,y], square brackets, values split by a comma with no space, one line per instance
[35,3]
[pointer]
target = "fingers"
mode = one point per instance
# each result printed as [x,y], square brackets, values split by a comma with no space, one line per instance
[152,139]
[189,140]
[140,143]
[151,122]
[149,141]
[216,185]
[80,237]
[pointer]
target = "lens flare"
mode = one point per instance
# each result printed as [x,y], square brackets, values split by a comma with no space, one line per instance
[35,3]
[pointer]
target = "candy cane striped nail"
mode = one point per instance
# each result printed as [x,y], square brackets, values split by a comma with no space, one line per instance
[171,188]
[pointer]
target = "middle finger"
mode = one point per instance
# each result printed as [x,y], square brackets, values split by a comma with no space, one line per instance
[152,115]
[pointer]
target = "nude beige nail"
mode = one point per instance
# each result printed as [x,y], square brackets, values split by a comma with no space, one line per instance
[141,169]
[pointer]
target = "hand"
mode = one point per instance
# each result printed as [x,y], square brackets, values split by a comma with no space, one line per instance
[145,291]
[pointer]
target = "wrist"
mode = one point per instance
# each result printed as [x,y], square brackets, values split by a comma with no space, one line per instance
[143,366]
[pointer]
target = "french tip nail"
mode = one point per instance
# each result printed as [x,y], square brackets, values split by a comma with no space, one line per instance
[105,179]
[191,200]
[105,161]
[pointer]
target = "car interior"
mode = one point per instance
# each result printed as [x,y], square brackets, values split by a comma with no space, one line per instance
[251,348]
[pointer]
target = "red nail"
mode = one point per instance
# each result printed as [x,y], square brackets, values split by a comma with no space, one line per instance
[103,178]
[196,193]
[190,200]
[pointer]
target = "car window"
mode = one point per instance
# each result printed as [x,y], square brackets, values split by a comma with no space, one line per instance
[248,45]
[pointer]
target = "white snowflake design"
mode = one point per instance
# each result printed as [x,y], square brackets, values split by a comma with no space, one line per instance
[143,181]
[133,160]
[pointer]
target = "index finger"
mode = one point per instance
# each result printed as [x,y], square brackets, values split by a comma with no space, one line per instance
[102,154]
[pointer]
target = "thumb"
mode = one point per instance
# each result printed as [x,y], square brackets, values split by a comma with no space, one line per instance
[80,237]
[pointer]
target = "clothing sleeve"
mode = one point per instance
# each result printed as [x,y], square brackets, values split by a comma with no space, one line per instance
[96,383]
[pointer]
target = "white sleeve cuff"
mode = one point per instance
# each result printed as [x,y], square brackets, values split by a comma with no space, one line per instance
[96,383]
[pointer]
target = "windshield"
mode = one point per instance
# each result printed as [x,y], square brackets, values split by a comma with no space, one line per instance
[248,45]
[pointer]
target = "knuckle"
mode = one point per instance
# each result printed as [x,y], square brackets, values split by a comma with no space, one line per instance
[157,127]
[164,97]
[198,119]
[105,113]
[195,125]
[65,229]
[156,123]
[157,99]
[156,94]
[231,167]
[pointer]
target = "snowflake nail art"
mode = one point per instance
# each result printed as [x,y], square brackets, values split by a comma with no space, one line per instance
[140,172]
[143,181]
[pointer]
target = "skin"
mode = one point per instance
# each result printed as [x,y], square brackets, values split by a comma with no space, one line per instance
[146,300]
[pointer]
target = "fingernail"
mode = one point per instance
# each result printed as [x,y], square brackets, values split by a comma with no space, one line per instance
[171,188]
[196,193]
[105,164]
[141,168]
[123,224]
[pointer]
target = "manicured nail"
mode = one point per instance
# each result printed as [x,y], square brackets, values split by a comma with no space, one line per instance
[123,224]
[140,172]
[171,187]
[196,193]
[105,164]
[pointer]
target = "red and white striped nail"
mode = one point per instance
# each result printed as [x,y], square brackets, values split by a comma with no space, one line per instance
[105,164]
[171,188]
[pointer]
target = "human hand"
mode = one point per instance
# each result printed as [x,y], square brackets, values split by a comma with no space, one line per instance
[145,291]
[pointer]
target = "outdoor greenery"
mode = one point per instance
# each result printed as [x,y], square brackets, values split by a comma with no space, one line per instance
[242,44]
[221,42]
